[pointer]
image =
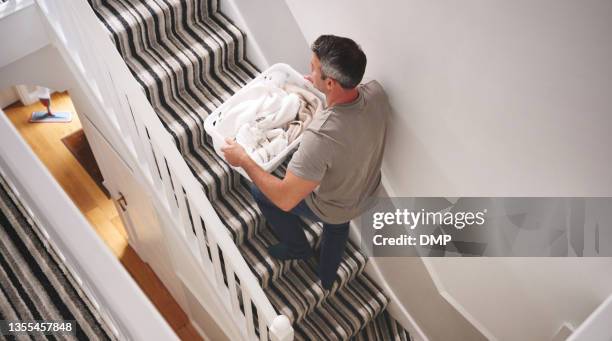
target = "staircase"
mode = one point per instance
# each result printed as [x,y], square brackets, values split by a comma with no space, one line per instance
[189,58]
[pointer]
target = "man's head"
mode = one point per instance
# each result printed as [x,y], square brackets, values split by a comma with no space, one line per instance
[337,64]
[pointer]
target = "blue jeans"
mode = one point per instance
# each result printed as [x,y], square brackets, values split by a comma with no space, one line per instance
[288,228]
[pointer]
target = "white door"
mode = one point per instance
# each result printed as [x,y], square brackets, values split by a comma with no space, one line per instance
[136,209]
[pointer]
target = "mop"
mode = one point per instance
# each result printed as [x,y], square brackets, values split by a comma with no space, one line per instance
[44,95]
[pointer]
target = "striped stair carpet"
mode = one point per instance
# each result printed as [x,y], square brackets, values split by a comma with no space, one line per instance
[189,58]
[34,282]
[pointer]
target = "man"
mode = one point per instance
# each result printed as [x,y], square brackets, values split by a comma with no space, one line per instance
[337,165]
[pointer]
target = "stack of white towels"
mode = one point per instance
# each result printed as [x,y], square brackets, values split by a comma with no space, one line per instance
[268,116]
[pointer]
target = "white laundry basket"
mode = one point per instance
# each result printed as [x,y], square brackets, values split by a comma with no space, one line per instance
[281,73]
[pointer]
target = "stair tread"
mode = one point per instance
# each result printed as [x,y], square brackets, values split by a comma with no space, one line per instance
[238,211]
[268,269]
[265,267]
[342,315]
[383,327]
[230,179]
[298,291]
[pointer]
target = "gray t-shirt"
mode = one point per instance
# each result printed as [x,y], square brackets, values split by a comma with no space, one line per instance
[343,149]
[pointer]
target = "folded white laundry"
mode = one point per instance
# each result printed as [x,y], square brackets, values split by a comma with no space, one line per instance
[272,133]
[261,145]
[247,106]
[276,146]
[250,137]
[269,150]
[280,114]
[277,78]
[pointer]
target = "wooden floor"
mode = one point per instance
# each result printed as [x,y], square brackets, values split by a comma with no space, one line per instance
[45,140]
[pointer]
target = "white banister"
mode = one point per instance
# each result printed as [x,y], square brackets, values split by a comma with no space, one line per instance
[135,130]
[281,328]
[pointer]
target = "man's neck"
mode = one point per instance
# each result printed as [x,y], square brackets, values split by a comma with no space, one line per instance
[342,97]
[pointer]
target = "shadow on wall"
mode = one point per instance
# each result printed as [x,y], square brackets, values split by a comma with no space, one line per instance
[415,290]
[409,284]
[398,168]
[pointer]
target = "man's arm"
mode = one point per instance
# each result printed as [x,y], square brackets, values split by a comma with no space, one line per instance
[285,193]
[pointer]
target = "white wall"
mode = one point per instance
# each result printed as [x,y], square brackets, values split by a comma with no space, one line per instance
[537,294]
[272,35]
[493,98]
[22,31]
[8,96]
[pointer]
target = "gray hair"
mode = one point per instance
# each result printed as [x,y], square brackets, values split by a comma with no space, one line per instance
[341,59]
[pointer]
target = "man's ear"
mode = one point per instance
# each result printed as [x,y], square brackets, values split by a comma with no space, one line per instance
[330,83]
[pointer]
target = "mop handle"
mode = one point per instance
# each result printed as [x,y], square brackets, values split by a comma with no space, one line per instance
[46,101]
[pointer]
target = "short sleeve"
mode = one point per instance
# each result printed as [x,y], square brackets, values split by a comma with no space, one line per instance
[313,157]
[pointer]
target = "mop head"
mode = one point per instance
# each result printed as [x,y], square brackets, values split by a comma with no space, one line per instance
[56,117]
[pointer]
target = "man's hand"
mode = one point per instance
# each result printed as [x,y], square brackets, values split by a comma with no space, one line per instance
[285,193]
[234,153]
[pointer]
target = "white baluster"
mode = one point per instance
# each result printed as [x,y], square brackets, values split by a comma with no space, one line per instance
[167,185]
[201,238]
[263,327]
[152,162]
[214,250]
[248,314]
[231,284]
[182,210]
